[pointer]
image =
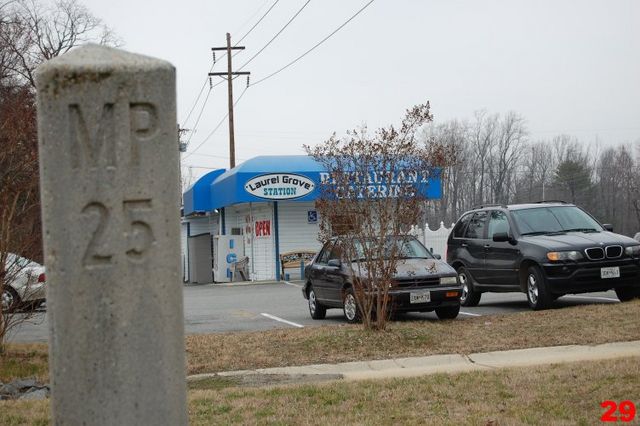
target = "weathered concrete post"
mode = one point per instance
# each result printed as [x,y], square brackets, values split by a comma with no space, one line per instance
[109,175]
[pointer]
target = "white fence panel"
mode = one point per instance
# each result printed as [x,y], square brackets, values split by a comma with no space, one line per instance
[434,240]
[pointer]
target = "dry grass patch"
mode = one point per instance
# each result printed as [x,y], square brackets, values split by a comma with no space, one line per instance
[24,360]
[592,324]
[559,394]
[18,413]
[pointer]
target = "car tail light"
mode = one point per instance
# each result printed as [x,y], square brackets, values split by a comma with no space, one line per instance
[41,278]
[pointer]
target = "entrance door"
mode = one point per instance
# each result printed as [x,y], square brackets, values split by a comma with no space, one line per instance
[200,266]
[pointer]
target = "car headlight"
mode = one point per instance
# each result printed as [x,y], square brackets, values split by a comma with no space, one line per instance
[632,251]
[448,280]
[555,256]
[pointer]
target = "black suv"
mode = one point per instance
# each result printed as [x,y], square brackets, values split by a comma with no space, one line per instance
[545,249]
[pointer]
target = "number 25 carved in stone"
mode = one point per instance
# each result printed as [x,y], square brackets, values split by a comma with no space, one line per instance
[137,233]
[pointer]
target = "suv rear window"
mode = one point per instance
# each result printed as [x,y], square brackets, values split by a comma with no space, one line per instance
[458,230]
[477,225]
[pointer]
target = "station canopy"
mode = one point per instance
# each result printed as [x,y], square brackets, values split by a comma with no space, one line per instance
[270,178]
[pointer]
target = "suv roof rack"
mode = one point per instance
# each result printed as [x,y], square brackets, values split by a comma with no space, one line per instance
[482,206]
[552,201]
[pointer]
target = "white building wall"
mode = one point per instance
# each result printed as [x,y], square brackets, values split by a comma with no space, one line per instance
[260,250]
[296,233]
[199,225]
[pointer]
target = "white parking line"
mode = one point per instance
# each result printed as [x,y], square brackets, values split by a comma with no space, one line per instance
[469,313]
[611,299]
[275,318]
[295,285]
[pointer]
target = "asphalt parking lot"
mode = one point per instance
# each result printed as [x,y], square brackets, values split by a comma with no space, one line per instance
[214,308]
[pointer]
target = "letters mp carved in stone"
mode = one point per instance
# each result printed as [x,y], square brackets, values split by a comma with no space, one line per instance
[92,142]
[93,136]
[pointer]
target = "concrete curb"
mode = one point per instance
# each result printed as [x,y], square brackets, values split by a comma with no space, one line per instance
[240,283]
[451,363]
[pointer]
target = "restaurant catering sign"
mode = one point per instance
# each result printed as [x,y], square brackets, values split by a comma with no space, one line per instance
[280,186]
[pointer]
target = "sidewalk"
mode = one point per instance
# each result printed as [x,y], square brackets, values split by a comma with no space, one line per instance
[419,366]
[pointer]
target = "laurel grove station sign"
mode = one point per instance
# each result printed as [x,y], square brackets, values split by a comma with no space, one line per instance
[280,186]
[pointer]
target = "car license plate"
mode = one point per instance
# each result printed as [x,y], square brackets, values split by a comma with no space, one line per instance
[612,272]
[420,297]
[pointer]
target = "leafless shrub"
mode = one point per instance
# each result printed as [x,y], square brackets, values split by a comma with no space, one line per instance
[375,188]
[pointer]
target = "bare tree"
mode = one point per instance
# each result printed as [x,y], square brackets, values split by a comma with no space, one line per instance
[35,33]
[30,33]
[504,156]
[483,139]
[372,193]
[19,199]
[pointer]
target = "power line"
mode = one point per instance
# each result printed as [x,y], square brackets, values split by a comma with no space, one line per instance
[198,97]
[247,21]
[195,125]
[256,24]
[215,129]
[204,85]
[315,46]
[251,29]
[276,36]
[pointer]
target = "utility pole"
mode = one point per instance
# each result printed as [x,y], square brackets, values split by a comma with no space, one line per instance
[228,75]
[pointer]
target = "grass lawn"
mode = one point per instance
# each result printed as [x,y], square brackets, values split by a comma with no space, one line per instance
[558,394]
[591,324]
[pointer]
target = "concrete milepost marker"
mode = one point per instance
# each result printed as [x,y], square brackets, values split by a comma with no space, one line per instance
[109,175]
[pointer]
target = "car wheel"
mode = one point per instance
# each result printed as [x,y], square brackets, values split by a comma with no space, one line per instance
[10,299]
[350,307]
[316,310]
[448,312]
[538,295]
[626,294]
[469,296]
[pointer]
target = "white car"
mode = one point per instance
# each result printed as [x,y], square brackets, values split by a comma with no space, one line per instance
[24,283]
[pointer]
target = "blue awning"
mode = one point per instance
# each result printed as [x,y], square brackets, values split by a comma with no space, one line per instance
[274,178]
[268,178]
[197,199]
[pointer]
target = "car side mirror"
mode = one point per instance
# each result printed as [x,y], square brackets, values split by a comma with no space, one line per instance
[437,256]
[335,263]
[608,227]
[501,237]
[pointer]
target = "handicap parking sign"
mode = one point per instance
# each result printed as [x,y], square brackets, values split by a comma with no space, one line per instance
[312,216]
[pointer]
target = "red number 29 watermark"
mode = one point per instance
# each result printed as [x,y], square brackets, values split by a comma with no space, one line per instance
[626,410]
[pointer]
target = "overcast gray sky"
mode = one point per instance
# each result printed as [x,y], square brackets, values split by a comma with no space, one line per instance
[568,66]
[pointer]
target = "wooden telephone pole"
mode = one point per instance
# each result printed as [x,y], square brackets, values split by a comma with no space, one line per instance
[229,74]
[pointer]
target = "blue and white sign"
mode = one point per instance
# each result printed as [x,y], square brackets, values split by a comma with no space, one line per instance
[280,186]
[312,216]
